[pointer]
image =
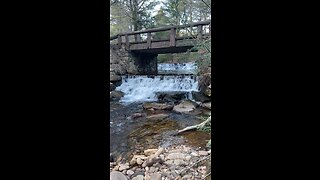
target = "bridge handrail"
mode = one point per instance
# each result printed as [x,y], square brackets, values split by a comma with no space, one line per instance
[161,29]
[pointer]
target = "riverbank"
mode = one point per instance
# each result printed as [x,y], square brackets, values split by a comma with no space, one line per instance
[178,162]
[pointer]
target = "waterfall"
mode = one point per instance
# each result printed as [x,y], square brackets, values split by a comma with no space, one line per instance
[140,88]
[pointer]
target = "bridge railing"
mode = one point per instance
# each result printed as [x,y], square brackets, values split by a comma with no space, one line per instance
[196,30]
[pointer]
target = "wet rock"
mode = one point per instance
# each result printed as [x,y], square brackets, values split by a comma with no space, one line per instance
[157,116]
[155,176]
[116,175]
[136,115]
[149,152]
[157,106]
[114,77]
[112,87]
[184,107]
[171,96]
[200,96]
[208,91]
[116,95]
[206,105]
[176,156]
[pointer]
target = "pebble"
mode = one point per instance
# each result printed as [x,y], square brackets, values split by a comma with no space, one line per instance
[123,167]
[130,172]
[139,161]
[149,152]
[116,175]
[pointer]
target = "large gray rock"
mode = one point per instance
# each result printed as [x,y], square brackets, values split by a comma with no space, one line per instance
[116,175]
[114,77]
[184,107]
[116,95]
[118,69]
[158,106]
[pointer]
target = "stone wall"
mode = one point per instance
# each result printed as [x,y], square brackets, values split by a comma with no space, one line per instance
[123,62]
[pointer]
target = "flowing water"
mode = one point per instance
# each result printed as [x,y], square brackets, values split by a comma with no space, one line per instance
[135,134]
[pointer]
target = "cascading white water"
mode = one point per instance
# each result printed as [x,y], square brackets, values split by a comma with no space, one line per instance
[143,88]
[177,68]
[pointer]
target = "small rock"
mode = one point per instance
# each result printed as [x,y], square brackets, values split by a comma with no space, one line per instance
[188,158]
[179,162]
[194,154]
[152,169]
[130,172]
[176,156]
[149,152]
[116,175]
[139,177]
[123,167]
[160,150]
[133,161]
[155,176]
[139,161]
[203,153]
[162,156]
[116,168]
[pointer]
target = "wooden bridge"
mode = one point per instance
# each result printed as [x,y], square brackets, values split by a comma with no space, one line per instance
[180,38]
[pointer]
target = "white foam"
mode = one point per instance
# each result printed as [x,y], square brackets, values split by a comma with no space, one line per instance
[143,88]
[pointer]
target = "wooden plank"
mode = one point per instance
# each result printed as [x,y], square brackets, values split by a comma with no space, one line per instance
[167,28]
[127,42]
[172,37]
[119,41]
[149,40]
[199,32]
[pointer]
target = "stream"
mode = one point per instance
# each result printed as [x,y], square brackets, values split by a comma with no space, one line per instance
[133,135]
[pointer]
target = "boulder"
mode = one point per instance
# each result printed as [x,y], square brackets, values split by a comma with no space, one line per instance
[112,87]
[157,106]
[118,69]
[116,95]
[114,77]
[116,175]
[184,107]
[200,97]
